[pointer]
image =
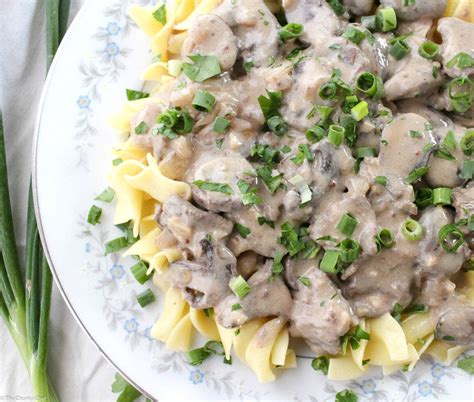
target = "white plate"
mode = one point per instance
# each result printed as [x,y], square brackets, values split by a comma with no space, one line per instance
[104,53]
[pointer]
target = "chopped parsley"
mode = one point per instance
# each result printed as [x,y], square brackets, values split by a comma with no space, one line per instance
[216,187]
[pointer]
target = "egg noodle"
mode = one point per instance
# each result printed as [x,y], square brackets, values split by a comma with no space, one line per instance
[141,184]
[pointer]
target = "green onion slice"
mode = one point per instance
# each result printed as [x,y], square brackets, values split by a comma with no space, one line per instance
[424,197]
[215,187]
[290,31]
[336,134]
[354,35]
[385,238]
[399,49]
[349,250]
[467,143]
[429,50]
[412,230]
[370,84]
[442,196]
[115,245]
[386,19]
[330,261]
[320,363]
[106,196]
[360,111]
[145,298]
[416,174]
[202,67]
[450,238]
[139,271]
[221,125]
[277,125]
[239,286]
[204,101]
[347,224]
[93,217]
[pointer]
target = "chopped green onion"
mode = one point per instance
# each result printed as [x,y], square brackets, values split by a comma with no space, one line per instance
[139,271]
[349,250]
[399,49]
[463,60]
[412,230]
[336,6]
[290,31]
[450,238]
[397,311]
[145,298]
[325,112]
[336,134]
[106,196]
[315,134]
[416,174]
[277,265]
[208,312]
[347,224]
[204,101]
[467,364]
[350,129]
[117,161]
[311,250]
[243,231]
[271,182]
[382,180]
[346,395]
[248,65]
[290,238]
[365,152]
[304,153]
[467,170]
[460,90]
[221,125]
[173,122]
[142,128]
[277,125]
[216,187]
[262,221]
[115,245]
[416,309]
[197,356]
[320,363]
[235,307]
[215,348]
[428,50]
[93,217]
[385,238]
[239,286]
[370,84]
[135,95]
[328,91]
[305,281]
[424,197]
[442,196]
[330,261]
[467,143]
[369,22]
[354,35]
[360,111]
[160,14]
[386,19]
[271,104]
[202,68]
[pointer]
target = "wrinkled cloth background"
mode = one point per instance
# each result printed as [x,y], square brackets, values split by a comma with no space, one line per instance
[77,370]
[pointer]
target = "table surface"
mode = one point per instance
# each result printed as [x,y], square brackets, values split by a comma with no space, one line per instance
[77,369]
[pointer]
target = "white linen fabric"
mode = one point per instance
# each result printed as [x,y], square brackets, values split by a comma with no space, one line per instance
[77,369]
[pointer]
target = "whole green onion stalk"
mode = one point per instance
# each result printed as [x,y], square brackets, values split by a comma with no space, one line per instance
[25,302]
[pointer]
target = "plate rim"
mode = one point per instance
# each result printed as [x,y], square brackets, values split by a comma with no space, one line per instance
[34,186]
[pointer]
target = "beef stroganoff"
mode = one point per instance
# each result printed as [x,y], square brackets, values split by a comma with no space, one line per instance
[303,169]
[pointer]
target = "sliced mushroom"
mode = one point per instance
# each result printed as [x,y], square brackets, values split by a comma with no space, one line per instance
[190,225]
[320,314]
[268,297]
[419,9]
[225,171]
[255,27]
[210,35]
[205,282]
